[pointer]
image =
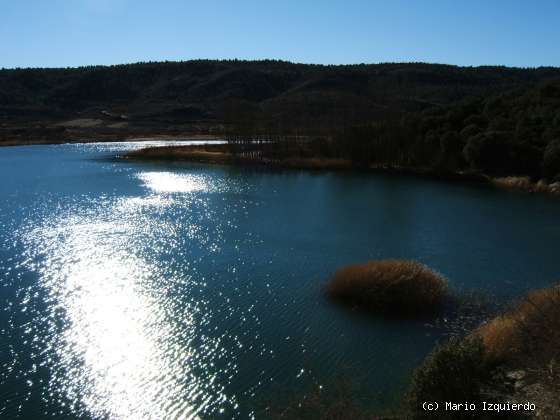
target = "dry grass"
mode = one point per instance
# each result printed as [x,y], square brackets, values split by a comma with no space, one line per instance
[206,153]
[497,336]
[524,183]
[527,339]
[529,332]
[221,154]
[396,287]
[522,345]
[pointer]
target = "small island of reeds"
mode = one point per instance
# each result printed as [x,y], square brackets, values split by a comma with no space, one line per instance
[390,287]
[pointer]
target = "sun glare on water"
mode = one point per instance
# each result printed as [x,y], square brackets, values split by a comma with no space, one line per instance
[121,349]
[168,182]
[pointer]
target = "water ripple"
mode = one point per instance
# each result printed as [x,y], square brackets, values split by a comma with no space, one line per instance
[121,350]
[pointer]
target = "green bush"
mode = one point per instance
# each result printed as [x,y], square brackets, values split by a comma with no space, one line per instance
[454,372]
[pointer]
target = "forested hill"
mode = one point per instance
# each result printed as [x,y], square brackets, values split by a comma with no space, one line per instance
[201,95]
[496,120]
[514,132]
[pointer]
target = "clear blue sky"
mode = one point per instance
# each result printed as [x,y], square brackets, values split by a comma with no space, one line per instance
[53,33]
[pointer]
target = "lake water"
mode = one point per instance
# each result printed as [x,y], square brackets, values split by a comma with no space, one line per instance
[146,290]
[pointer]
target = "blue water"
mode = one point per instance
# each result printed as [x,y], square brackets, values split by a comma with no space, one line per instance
[146,290]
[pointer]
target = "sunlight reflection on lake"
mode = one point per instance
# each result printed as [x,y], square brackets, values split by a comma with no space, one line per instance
[169,182]
[123,351]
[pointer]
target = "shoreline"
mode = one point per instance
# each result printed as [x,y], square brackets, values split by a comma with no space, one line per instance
[219,155]
[201,154]
[107,138]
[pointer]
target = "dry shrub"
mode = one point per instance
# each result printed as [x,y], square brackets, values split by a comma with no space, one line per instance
[498,336]
[529,332]
[397,287]
[527,339]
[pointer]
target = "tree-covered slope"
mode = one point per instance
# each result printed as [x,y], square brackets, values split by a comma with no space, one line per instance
[496,120]
[200,90]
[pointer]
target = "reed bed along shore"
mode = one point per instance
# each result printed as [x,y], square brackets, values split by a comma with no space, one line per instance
[221,154]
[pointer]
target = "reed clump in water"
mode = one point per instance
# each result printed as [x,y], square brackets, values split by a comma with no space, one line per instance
[392,287]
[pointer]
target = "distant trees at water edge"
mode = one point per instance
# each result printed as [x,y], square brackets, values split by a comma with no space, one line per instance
[516,132]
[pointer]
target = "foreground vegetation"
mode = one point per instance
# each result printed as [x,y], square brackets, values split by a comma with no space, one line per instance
[512,358]
[393,287]
[528,333]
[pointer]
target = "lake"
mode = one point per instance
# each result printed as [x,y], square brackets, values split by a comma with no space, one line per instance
[152,290]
